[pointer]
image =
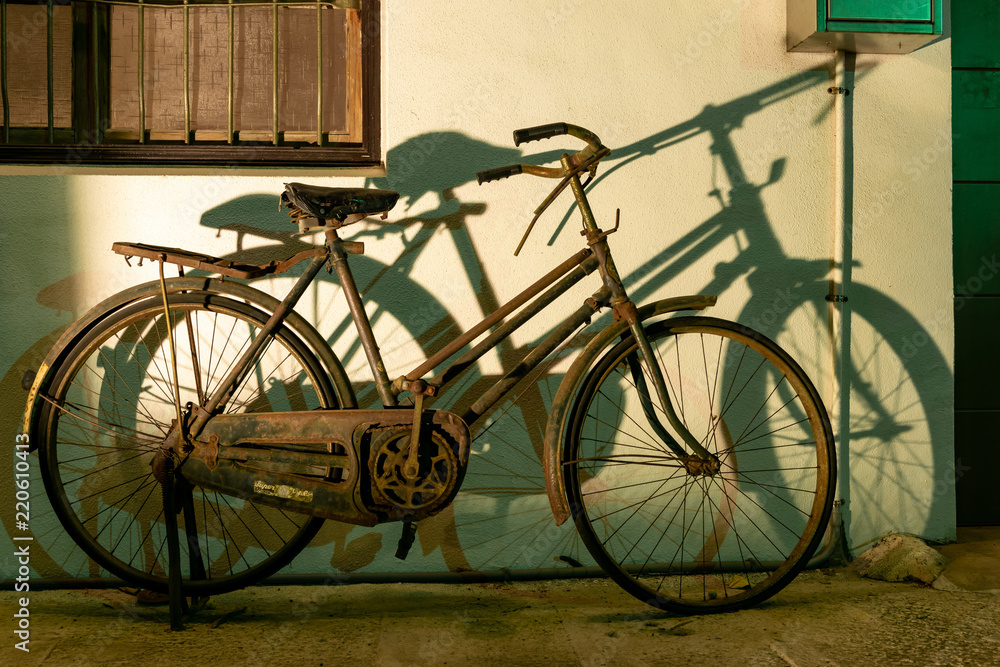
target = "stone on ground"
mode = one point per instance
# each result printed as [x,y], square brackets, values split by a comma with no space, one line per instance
[901,558]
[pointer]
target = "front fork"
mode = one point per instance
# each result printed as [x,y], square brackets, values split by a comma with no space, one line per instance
[646,357]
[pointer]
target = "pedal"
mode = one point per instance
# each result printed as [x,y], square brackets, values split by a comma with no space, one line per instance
[406,539]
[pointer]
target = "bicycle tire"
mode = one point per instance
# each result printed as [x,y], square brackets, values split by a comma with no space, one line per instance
[111,399]
[690,540]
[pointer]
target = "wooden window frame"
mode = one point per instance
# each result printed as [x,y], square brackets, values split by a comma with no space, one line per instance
[83,150]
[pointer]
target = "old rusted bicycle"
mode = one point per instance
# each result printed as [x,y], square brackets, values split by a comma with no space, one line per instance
[195,432]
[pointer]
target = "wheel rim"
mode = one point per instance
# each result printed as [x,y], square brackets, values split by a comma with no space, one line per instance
[115,405]
[681,536]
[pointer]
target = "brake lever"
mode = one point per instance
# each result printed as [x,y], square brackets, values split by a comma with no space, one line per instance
[541,209]
[591,169]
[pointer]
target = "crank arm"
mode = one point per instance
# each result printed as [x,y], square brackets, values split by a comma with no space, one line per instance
[411,468]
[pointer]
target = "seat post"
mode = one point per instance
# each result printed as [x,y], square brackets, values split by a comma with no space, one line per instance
[338,257]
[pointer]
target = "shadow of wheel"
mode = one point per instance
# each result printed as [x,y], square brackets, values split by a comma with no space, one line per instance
[899,465]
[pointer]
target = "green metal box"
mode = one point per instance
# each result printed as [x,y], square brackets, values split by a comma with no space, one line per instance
[863,26]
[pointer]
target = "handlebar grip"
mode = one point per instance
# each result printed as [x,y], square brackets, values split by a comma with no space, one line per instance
[539,132]
[498,173]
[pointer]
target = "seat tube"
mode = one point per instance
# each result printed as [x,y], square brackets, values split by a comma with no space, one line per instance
[338,256]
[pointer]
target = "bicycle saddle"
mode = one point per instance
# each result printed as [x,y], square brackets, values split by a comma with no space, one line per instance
[336,205]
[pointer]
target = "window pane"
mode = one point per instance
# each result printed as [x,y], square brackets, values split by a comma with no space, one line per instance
[27,75]
[297,79]
[208,72]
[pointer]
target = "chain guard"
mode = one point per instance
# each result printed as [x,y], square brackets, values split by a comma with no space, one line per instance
[249,455]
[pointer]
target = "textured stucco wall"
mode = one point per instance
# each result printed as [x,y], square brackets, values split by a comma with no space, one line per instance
[658,78]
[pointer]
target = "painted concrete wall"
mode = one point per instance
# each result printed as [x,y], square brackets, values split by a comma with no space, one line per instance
[694,95]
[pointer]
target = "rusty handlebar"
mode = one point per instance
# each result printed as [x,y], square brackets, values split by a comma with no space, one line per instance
[572,165]
[584,157]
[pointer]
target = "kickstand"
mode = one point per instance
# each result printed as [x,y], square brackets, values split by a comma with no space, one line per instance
[195,561]
[175,585]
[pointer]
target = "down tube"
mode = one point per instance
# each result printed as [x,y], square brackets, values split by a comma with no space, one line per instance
[535,357]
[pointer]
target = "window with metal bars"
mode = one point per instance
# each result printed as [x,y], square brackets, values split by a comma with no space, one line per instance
[190,82]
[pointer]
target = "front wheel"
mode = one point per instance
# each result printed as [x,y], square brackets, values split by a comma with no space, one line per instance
[698,536]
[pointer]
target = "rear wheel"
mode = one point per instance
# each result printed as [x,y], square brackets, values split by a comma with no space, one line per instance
[688,535]
[110,405]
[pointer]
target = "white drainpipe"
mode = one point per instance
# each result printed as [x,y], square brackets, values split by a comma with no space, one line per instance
[839,275]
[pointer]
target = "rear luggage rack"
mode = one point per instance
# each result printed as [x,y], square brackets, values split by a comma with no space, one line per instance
[197,260]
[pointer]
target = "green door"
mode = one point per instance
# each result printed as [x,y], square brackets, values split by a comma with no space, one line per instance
[975,53]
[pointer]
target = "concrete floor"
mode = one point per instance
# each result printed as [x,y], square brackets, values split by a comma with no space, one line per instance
[973,561]
[825,617]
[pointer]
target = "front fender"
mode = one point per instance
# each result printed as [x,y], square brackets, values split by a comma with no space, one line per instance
[570,385]
[228,288]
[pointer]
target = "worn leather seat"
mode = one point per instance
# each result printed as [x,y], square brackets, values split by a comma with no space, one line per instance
[337,203]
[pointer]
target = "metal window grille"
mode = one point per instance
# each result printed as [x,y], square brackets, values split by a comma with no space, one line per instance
[190,81]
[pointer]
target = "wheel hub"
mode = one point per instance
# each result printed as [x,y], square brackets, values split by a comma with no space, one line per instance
[698,467]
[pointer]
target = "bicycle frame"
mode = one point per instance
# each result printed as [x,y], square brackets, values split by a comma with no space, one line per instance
[558,281]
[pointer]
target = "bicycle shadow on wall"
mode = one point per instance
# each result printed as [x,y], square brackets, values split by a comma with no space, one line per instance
[502,517]
[898,433]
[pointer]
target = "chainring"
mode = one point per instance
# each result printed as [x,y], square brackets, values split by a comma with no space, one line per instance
[438,471]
